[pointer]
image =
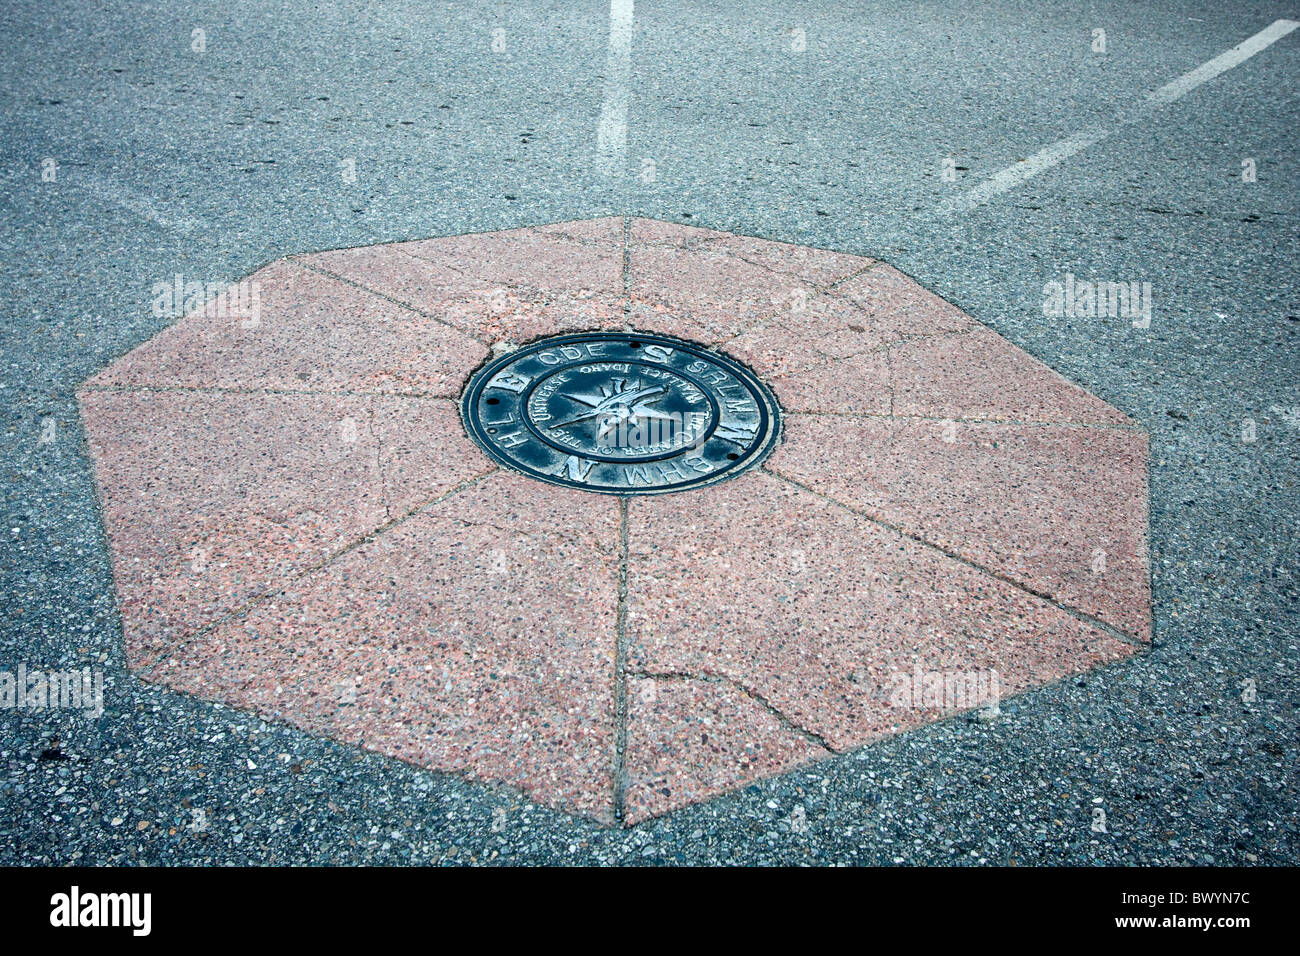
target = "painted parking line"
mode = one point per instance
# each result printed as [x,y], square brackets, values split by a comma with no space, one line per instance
[110,191]
[1050,156]
[611,135]
[1222,63]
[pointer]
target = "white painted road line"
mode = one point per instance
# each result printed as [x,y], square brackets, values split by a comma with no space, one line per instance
[1049,156]
[1222,63]
[1012,176]
[611,136]
[114,193]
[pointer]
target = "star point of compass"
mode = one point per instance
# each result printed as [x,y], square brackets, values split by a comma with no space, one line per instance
[621,400]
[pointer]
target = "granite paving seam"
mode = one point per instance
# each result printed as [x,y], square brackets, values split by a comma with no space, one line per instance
[627,259]
[826,291]
[1083,616]
[781,717]
[388,298]
[243,610]
[377,435]
[883,349]
[1010,422]
[620,672]
[627,273]
[889,379]
[234,390]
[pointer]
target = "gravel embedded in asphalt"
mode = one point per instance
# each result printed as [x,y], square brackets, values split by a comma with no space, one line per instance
[211,164]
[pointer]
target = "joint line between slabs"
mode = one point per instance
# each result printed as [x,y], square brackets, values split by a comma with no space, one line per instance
[777,714]
[620,671]
[821,291]
[388,298]
[892,416]
[627,273]
[1108,629]
[237,390]
[627,256]
[243,610]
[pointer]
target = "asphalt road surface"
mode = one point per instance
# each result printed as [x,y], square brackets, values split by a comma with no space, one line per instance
[985,149]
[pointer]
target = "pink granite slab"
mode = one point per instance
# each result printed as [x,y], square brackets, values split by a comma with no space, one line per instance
[980,375]
[896,302]
[678,292]
[483,303]
[717,287]
[1059,509]
[808,335]
[312,333]
[212,499]
[816,609]
[299,525]
[857,386]
[539,259]
[975,375]
[818,268]
[476,636]
[563,257]
[690,739]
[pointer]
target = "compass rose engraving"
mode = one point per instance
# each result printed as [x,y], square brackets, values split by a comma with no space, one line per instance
[621,405]
[620,413]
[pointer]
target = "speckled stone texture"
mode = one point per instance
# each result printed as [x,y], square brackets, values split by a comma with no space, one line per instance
[299,525]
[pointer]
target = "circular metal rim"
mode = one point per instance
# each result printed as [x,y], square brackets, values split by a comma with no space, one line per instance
[769,410]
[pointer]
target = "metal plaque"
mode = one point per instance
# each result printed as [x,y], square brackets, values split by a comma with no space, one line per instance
[621,413]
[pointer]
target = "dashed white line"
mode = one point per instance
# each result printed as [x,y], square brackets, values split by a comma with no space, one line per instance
[1012,176]
[611,135]
[1049,156]
[1222,63]
[109,191]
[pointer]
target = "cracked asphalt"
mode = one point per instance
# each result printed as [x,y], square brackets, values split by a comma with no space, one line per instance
[135,148]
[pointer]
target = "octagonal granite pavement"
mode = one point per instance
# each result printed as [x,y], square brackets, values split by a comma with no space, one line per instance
[300,526]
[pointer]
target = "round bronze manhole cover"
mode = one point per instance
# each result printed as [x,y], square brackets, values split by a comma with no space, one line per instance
[622,414]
